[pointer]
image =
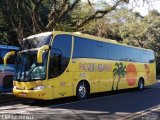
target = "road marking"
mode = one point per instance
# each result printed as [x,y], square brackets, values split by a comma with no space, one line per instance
[142,113]
[85,100]
[91,99]
[4,93]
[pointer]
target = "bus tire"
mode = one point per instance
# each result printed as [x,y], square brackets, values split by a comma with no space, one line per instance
[141,84]
[82,91]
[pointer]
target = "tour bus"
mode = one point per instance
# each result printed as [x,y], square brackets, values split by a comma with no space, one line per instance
[7,71]
[59,64]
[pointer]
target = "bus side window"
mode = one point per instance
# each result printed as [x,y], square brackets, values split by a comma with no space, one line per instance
[11,59]
[55,64]
[1,60]
[60,55]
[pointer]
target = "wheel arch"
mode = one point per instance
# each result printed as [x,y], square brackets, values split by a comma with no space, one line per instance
[142,78]
[141,83]
[85,81]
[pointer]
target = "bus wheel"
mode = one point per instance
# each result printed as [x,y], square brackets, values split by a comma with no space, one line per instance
[82,91]
[141,84]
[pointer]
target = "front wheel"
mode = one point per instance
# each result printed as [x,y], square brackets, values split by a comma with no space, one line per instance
[140,84]
[82,91]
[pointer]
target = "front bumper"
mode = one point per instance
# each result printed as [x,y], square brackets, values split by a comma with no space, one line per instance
[35,94]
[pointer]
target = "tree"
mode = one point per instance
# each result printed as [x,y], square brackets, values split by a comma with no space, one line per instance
[111,26]
[144,32]
[118,71]
[7,34]
[140,31]
[59,12]
[26,17]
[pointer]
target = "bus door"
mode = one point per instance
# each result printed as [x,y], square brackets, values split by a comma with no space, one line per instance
[60,75]
[96,82]
[61,79]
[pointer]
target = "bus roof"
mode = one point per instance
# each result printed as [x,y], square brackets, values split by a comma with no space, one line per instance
[79,34]
[9,47]
[38,35]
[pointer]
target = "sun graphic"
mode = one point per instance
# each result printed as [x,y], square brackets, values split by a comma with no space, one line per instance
[131,74]
[147,71]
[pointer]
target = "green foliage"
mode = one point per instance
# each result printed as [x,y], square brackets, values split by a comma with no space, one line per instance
[81,11]
[137,30]
[131,28]
[144,32]
[7,33]
[19,19]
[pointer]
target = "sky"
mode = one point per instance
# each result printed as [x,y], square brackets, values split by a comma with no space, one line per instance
[144,8]
[140,7]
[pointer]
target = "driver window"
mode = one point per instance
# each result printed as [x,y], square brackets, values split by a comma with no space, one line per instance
[60,55]
[55,63]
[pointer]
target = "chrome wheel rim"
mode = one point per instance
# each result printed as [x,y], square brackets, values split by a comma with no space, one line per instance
[82,90]
[141,85]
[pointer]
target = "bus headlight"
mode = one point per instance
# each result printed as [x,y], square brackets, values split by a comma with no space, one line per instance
[14,87]
[39,88]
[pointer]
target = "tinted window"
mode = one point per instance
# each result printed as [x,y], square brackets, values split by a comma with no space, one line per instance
[99,50]
[83,48]
[3,52]
[114,52]
[145,57]
[151,56]
[60,55]
[11,59]
[36,42]
[125,54]
[140,56]
[86,48]
[1,60]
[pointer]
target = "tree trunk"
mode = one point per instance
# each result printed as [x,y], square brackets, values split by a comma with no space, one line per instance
[117,83]
[36,21]
[113,85]
[20,31]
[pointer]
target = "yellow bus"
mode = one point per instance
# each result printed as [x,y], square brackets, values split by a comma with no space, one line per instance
[58,64]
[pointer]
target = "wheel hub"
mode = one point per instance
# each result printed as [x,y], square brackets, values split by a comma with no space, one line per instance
[82,91]
[141,85]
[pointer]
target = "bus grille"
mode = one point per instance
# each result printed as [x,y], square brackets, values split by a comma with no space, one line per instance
[8,82]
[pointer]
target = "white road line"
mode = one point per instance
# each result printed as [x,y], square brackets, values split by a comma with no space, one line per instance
[142,113]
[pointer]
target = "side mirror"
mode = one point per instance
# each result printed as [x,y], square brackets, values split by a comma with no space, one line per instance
[7,56]
[40,53]
[151,61]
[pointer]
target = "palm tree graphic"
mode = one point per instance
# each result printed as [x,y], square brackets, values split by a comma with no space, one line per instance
[118,71]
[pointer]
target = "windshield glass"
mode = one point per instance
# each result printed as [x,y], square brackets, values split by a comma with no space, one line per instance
[27,68]
[35,41]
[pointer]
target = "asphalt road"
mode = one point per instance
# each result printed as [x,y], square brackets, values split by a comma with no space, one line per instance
[122,105]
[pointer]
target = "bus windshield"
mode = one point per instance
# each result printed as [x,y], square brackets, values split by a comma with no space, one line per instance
[27,68]
[35,41]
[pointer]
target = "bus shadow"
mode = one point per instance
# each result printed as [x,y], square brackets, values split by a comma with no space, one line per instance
[106,105]
[100,105]
[94,96]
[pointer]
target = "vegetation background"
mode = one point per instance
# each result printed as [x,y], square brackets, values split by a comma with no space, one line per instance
[113,20]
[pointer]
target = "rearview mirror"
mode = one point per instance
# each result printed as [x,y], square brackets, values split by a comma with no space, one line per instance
[7,56]
[40,53]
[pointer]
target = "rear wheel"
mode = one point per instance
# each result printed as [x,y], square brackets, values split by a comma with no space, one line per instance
[82,91]
[141,84]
